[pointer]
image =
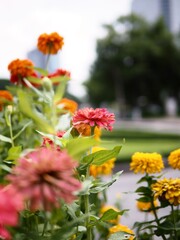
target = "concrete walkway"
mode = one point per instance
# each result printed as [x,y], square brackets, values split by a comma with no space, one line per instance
[166,125]
[123,191]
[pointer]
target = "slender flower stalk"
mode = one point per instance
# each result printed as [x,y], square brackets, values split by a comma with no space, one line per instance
[155,211]
[8,114]
[174,222]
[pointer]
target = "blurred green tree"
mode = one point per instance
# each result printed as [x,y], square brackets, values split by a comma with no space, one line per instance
[137,64]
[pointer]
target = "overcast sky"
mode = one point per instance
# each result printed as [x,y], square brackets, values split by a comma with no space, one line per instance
[78,21]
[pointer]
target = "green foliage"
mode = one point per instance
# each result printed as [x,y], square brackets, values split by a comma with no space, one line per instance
[100,157]
[134,67]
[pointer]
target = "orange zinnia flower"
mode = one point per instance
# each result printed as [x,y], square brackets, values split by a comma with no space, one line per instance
[5,97]
[50,43]
[68,105]
[21,69]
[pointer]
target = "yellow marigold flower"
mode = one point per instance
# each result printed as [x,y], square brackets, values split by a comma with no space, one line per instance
[68,105]
[5,98]
[174,159]
[146,162]
[104,169]
[121,228]
[145,206]
[167,189]
[105,208]
[50,43]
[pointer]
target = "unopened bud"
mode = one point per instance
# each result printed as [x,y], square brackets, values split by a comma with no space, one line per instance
[9,109]
[47,84]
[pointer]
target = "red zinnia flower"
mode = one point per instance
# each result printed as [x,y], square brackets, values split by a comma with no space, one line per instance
[93,117]
[10,203]
[50,178]
[59,73]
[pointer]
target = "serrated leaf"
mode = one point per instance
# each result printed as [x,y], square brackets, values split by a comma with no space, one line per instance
[100,157]
[5,139]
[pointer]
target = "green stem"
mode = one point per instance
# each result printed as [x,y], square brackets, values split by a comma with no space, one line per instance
[154,210]
[87,211]
[45,224]
[156,216]
[47,61]
[10,130]
[174,223]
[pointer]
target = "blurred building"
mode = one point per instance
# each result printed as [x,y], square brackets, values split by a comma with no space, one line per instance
[40,60]
[153,9]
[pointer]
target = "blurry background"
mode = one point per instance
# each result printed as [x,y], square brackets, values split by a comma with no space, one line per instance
[122,54]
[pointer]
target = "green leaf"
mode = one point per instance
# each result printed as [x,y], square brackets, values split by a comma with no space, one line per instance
[78,146]
[110,214]
[25,105]
[14,153]
[5,139]
[144,190]
[98,158]
[59,79]
[43,72]
[22,129]
[102,186]
[5,167]
[86,185]
[144,199]
[120,236]
[28,83]
[35,80]
[59,91]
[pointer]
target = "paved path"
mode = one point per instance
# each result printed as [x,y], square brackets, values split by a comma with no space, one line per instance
[166,125]
[125,187]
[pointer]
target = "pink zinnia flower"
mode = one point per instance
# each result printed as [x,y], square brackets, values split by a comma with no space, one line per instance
[44,177]
[93,117]
[10,204]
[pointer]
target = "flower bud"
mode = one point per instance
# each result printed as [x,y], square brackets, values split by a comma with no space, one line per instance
[47,84]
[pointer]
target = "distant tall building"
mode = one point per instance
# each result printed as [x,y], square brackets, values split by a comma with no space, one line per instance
[40,60]
[152,9]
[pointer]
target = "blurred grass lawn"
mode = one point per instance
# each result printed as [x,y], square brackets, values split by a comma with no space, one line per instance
[140,141]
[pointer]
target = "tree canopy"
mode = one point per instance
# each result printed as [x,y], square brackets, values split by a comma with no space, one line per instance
[137,64]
